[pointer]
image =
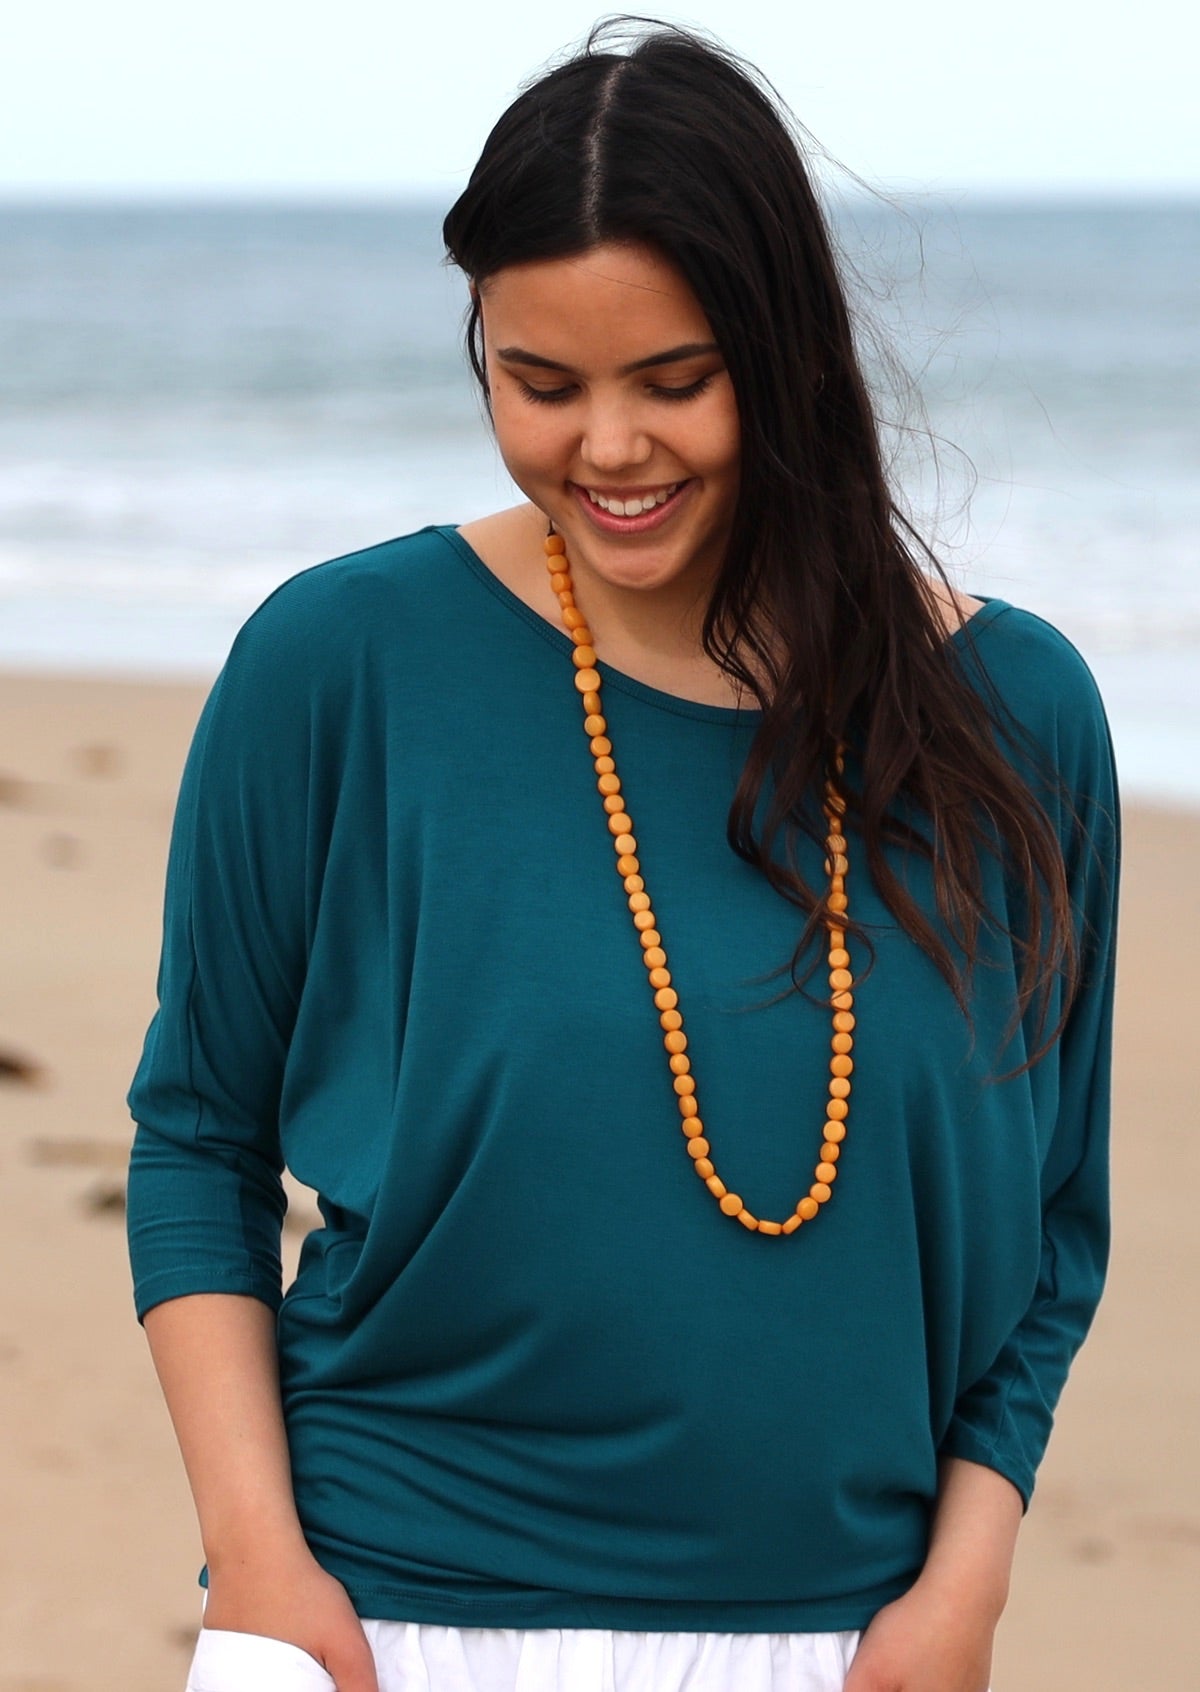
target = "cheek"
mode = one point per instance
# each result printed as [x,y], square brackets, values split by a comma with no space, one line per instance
[717,441]
[527,439]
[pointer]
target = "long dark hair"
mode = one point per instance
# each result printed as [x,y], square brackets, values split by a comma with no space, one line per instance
[674,143]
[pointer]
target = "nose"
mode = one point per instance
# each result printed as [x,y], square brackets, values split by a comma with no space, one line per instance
[613,436]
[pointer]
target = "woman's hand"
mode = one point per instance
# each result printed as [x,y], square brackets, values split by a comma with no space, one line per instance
[930,1640]
[292,1598]
[938,1636]
[216,1357]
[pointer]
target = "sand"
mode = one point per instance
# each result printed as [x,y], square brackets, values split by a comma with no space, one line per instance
[99,1548]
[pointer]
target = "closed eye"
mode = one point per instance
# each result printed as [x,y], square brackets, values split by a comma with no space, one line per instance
[559,396]
[544,396]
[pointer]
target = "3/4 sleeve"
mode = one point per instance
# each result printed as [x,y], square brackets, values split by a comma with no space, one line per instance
[205,1202]
[1004,1420]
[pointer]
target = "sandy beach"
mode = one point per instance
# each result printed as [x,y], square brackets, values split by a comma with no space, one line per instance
[100,1553]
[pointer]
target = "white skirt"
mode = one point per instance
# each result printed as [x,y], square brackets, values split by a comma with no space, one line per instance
[423,1657]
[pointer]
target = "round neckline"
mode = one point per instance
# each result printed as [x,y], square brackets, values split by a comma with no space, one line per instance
[989,609]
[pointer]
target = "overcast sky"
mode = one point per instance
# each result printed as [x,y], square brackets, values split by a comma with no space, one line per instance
[386,96]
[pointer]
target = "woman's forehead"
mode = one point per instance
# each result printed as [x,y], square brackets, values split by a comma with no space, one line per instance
[612,298]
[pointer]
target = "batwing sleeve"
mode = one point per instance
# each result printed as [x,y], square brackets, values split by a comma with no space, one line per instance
[205,1201]
[1004,1420]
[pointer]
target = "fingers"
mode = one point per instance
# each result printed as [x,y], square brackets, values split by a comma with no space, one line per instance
[352,1667]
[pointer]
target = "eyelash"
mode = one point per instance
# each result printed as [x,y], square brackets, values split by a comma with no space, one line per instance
[560,396]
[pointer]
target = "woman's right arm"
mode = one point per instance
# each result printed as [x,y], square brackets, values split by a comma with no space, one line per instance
[205,1199]
[216,1361]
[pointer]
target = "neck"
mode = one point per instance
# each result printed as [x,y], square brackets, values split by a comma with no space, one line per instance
[652,633]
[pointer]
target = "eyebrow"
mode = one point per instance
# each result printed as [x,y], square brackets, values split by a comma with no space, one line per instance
[673,355]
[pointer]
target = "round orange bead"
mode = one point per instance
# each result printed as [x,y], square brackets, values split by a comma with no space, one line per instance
[843,1022]
[684,1084]
[595,726]
[626,844]
[820,1192]
[698,1147]
[836,842]
[654,957]
[554,544]
[841,1065]
[651,939]
[842,1001]
[628,865]
[839,1087]
[634,884]
[638,902]
[842,1043]
[601,745]
[691,1125]
[573,618]
[704,1167]
[839,957]
[613,802]
[830,1153]
[731,1204]
[565,598]
[660,977]
[838,1110]
[582,635]
[603,765]
[666,998]
[679,1063]
[670,1020]
[591,701]
[688,1106]
[716,1186]
[560,581]
[837,902]
[825,1172]
[584,657]
[807,1209]
[675,1041]
[838,864]
[643,919]
[840,979]
[621,824]
[609,784]
[835,1131]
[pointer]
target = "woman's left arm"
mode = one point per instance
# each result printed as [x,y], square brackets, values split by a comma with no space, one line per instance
[938,1636]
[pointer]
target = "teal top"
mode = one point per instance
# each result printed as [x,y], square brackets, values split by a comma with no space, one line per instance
[531,1375]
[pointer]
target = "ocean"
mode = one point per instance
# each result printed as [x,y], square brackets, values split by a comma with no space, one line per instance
[196,401]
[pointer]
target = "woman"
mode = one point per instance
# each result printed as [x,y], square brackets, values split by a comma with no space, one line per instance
[487,836]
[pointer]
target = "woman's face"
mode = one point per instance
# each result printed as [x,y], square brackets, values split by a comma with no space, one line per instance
[608,392]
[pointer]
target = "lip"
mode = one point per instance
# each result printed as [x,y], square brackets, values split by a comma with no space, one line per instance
[611,524]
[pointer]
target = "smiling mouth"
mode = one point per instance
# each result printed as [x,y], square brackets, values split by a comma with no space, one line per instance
[636,504]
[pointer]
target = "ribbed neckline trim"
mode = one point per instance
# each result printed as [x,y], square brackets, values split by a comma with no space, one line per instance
[731,715]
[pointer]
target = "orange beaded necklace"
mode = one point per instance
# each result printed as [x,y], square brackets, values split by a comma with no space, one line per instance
[666,999]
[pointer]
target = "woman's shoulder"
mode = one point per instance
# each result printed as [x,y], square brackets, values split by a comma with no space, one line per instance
[1026,652]
[1032,675]
[314,640]
[407,567]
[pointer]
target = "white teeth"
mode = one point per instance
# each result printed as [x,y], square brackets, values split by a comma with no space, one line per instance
[632,507]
